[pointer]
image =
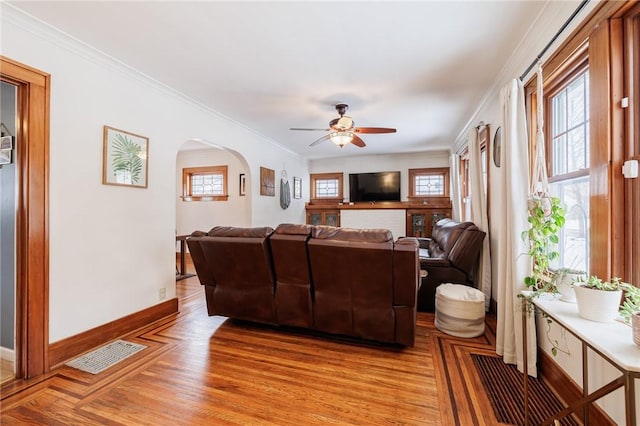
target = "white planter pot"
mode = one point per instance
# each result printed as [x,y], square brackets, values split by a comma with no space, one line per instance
[564,283]
[598,305]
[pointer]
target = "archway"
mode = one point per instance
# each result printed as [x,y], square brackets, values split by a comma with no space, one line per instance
[193,214]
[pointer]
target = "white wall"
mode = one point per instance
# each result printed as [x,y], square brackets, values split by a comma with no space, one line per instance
[381,163]
[112,248]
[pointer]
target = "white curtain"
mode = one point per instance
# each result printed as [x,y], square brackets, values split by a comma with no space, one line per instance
[479,214]
[512,264]
[456,193]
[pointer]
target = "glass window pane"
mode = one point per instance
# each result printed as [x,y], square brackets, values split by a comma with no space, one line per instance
[327,188]
[574,236]
[559,157]
[212,184]
[426,185]
[559,119]
[570,127]
[577,150]
[576,102]
[570,153]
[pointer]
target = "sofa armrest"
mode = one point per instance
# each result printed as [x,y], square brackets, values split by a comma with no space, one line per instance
[434,262]
[424,242]
[406,272]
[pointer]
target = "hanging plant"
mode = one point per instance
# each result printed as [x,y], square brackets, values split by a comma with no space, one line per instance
[546,218]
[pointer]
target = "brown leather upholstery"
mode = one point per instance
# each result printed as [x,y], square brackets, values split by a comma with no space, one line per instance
[205,275]
[293,280]
[240,260]
[352,273]
[354,282]
[449,256]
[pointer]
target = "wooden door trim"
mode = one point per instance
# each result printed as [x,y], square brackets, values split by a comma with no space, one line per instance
[32,217]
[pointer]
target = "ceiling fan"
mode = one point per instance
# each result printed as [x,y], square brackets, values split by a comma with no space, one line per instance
[342,130]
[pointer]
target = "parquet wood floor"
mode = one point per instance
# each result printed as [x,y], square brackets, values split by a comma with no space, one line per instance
[205,370]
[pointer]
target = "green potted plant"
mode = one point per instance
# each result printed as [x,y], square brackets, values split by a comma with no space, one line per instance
[631,304]
[599,300]
[546,218]
[563,279]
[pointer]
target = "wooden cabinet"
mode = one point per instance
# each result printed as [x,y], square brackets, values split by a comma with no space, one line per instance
[420,221]
[420,217]
[321,216]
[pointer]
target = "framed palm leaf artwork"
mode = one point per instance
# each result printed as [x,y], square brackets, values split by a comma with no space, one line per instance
[125,158]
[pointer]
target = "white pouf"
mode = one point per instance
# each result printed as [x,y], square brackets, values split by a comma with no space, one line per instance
[459,310]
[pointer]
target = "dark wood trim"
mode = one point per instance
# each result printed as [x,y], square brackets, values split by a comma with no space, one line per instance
[567,389]
[616,84]
[32,217]
[65,349]
[631,34]
[426,203]
[600,96]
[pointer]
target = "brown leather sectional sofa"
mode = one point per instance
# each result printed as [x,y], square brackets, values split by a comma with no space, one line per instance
[449,256]
[352,282]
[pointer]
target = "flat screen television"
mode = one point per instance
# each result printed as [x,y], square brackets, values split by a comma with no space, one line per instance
[379,186]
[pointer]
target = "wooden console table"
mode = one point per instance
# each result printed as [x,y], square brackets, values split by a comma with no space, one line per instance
[182,271]
[611,341]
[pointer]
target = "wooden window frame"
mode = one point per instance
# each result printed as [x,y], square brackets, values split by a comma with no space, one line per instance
[577,66]
[431,171]
[189,172]
[314,177]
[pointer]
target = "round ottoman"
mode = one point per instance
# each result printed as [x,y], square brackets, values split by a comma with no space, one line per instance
[459,310]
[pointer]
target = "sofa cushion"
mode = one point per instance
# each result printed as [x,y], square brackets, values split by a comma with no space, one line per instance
[233,231]
[293,229]
[352,235]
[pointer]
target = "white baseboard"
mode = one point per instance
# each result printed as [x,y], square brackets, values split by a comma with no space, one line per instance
[7,354]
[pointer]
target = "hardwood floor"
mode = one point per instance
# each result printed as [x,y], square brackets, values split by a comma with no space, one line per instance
[6,371]
[204,370]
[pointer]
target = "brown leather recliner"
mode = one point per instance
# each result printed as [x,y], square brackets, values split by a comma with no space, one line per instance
[241,279]
[353,282]
[293,278]
[365,285]
[449,256]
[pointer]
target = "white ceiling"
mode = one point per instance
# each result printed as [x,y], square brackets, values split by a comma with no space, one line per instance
[421,67]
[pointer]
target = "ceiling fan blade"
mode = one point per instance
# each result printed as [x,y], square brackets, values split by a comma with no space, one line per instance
[322,139]
[302,128]
[358,142]
[373,130]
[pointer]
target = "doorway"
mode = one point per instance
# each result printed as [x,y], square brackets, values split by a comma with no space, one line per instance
[8,152]
[31,243]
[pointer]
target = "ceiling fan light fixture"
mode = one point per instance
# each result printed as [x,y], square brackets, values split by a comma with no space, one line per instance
[341,138]
[344,123]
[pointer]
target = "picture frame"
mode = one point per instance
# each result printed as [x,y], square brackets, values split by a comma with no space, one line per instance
[6,142]
[243,185]
[125,159]
[5,156]
[267,182]
[297,187]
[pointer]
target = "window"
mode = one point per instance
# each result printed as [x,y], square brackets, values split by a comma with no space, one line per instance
[428,183]
[204,183]
[326,186]
[567,138]
[465,177]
